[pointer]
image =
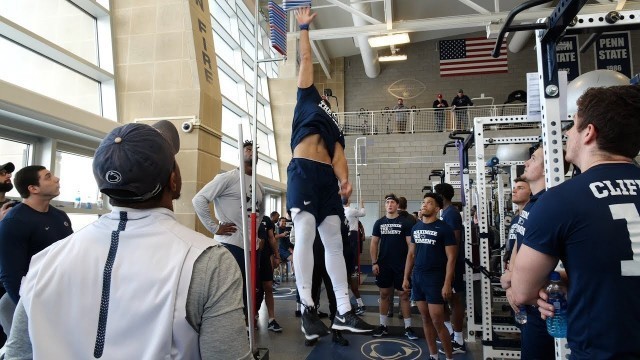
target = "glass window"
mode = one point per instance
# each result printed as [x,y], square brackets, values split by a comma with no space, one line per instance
[247,45]
[31,71]
[76,178]
[16,152]
[264,169]
[228,86]
[248,73]
[58,21]
[219,14]
[223,49]
[229,154]
[230,121]
[263,141]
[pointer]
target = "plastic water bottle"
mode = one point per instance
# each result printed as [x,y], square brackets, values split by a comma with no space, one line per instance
[521,315]
[77,202]
[557,325]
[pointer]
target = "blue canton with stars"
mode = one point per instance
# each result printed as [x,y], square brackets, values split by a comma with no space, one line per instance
[453,49]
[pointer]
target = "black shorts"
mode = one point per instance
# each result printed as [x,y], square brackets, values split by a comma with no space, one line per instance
[265,272]
[313,187]
[427,288]
[389,277]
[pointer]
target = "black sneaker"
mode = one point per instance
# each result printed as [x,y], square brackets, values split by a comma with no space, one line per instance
[360,310]
[408,332]
[274,326]
[312,327]
[350,322]
[338,339]
[457,348]
[380,330]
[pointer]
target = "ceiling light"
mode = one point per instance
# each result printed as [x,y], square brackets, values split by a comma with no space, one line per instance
[387,40]
[392,58]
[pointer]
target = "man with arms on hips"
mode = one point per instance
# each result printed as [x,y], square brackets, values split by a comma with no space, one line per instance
[431,258]
[134,284]
[594,236]
[224,192]
[452,217]
[390,241]
[352,215]
[27,229]
[318,176]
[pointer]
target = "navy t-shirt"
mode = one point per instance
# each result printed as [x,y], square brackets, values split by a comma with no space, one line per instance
[591,223]
[430,256]
[452,217]
[312,116]
[25,232]
[524,216]
[511,240]
[393,248]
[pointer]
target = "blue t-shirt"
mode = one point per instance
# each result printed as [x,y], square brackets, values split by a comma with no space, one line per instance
[452,217]
[393,248]
[25,232]
[511,240]
[591,223]
[524,216]
[312,116]
[430,255]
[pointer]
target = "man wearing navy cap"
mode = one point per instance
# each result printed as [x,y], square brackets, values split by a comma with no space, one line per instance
[135,284]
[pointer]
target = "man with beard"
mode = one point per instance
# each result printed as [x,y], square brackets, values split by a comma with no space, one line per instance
[5,186]
[224,192]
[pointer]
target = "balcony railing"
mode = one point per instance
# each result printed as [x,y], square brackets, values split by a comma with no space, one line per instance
[424,120]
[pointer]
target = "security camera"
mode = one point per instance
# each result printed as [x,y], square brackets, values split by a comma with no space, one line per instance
[187,126]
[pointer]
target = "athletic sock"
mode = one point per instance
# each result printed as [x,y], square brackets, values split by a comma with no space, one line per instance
[407,323]
[297,306]
[457,337]
[271,319]
[449,327]
[384,319]
[360,302]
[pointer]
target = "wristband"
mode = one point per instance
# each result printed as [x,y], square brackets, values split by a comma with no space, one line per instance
[303,27]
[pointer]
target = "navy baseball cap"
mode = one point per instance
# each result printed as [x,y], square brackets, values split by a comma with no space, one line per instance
[134,161]
[9,167]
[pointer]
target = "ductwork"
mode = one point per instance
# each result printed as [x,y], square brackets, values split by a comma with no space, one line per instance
[369,55]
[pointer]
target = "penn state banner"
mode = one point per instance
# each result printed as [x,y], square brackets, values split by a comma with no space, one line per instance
[613,52]
[567,56]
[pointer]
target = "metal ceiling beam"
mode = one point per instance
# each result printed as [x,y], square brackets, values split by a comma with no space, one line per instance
[348,8]
[446,23]
[388,14]
[475,6]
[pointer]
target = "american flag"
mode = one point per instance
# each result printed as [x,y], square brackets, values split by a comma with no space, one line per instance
[293,4]
[278,26]
[471,57]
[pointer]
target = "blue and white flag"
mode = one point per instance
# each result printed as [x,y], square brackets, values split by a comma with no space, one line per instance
[278,27]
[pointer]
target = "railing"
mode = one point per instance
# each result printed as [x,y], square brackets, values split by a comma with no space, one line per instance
[365,122]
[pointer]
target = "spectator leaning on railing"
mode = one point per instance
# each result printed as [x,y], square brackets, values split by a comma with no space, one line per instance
[401,116]
[439,105]
[459,104]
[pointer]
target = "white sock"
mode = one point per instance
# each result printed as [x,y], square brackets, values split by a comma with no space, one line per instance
[271,319]
[297,306]
[434,356]
[449,327]
[360,302]
[457,337]
[407,323]
[384,319]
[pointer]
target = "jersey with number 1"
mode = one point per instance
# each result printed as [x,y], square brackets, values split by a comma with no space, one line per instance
[592,224]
